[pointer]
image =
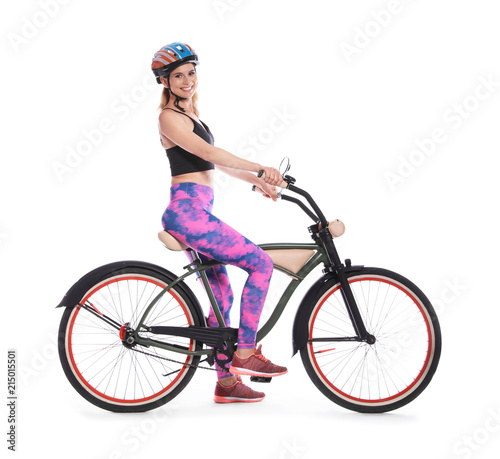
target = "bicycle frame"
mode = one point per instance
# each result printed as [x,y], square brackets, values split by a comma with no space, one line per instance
[196,266]
[324,253]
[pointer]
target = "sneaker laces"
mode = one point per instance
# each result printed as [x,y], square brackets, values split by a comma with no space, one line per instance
[258,354]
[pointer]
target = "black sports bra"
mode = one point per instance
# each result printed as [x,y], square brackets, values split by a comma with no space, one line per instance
[183,162]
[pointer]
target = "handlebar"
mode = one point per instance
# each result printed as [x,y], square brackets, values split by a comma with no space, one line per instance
[288,183]
[335,228]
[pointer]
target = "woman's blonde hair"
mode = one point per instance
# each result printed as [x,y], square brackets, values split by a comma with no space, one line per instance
[165,97]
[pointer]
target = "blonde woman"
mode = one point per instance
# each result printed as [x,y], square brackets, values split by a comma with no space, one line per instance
[193,157]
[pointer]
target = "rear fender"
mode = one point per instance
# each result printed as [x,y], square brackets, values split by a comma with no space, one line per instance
[95,276]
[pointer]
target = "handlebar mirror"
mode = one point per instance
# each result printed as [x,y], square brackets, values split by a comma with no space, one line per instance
[284,166]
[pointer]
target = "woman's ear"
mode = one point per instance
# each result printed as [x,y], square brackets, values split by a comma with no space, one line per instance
[164,81]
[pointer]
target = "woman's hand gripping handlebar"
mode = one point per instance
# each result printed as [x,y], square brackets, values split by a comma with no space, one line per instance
[268,189]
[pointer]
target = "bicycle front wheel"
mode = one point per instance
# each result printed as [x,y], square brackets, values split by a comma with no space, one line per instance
[101,366]
[387,374]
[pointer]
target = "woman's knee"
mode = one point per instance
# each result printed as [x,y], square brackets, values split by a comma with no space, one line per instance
[262,262]
[268,262]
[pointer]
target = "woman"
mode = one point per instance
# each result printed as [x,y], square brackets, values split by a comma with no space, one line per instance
[188,217]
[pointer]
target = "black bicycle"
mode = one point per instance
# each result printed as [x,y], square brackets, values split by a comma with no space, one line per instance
[133,334]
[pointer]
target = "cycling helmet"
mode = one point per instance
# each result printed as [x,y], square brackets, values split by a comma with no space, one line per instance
[170,57]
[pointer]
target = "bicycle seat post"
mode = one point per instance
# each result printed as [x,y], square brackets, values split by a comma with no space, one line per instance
[211,297]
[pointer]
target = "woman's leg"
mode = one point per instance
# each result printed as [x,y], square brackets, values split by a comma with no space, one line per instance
[221,288]
[189,219]
[218,241]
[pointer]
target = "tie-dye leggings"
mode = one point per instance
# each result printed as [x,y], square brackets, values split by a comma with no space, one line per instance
[188,217]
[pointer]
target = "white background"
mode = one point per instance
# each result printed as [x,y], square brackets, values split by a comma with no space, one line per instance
[361,83]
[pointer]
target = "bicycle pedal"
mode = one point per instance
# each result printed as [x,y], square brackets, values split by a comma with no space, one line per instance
[260,379]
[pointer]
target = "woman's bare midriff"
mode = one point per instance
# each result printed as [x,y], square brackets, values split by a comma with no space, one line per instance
[205,178]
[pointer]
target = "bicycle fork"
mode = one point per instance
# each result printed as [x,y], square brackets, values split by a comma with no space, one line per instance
[350,303]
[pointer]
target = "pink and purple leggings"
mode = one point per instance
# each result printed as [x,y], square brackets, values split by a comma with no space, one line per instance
[188,217]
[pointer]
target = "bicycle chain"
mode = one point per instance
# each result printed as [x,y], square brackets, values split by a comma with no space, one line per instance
[176,361]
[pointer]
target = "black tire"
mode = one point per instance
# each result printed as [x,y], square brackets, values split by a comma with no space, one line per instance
[397,367]
[95,360]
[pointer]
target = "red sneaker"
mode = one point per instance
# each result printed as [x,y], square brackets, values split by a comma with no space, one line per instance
[238,392]
[255,365]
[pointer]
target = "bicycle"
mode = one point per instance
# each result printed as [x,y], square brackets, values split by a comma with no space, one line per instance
[133,333]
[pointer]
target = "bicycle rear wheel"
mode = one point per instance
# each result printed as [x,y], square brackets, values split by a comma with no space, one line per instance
[379,377]
[98,364]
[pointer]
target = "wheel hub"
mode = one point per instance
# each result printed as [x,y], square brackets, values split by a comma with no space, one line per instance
[126,336]
[370,339]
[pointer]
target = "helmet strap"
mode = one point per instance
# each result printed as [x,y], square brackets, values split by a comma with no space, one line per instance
[177,98]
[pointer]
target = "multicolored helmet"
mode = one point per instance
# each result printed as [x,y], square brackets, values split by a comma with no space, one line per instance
[170,57]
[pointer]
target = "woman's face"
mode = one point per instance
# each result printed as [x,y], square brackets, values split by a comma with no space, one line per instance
[183,81]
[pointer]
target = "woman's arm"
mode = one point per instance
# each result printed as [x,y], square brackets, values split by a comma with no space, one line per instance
[175,129]
[241,175]
[252,179]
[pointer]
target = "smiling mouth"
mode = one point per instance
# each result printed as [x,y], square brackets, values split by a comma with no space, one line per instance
[188,89]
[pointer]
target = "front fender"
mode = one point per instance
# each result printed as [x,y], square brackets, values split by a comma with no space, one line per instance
[300,332]
[72,297]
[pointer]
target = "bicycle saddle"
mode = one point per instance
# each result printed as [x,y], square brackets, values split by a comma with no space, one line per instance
[293,260]
[170,242]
